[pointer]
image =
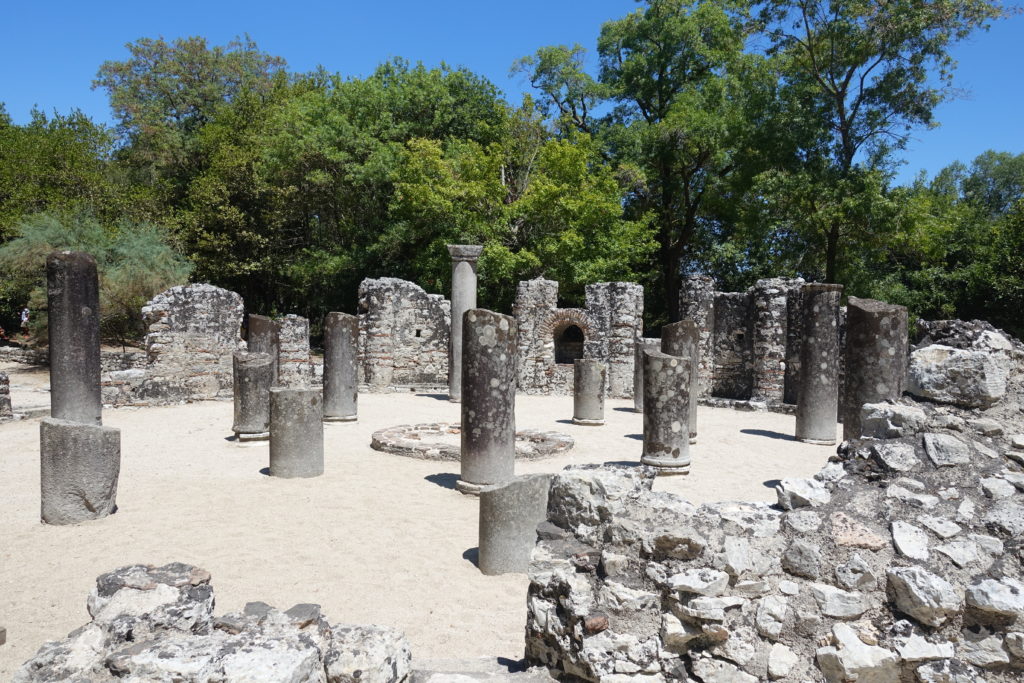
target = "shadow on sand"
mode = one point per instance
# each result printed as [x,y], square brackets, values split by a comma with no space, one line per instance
[769,434]
[443,479]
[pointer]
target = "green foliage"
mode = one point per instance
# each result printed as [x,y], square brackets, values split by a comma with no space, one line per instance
[134,261]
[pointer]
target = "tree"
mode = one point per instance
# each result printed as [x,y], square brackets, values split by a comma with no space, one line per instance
[857,77]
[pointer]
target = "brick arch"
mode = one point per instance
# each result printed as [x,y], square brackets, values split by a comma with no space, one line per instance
[561,318]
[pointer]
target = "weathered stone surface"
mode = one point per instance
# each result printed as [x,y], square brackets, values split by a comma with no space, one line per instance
[924,596]
[642,346]
[850,659]
[697,303]
[295,368]
[464,259]
[509,515]
[6,410]
[890,420]
[796,493]
[1003,598]
[156,624]
[910,541]
[589,387]
[73,314]
[945,450]
[896,457]
[488,399]
[802,559]
[666,412]
[837,603]
[263,335]
[972,379]
[876,358]
[818,406]
[79,468]
[341,367]
[296,432]
[683,339]
[253,378]
[432,442]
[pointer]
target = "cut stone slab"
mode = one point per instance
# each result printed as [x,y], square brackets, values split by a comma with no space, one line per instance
[945,450]
[943,528]
[910,541]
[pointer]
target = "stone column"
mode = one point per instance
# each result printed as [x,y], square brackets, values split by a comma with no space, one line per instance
[509,515]
[73,301]
[697,303]
[295,369]
[296,432]
[666,413]
[682,339]
[341,367]
[817,408]
[253,378]
[643,344]
[264,336]
[464,258]
[590,378]
[876,358]
[79,466]
[489,399]
[5,396]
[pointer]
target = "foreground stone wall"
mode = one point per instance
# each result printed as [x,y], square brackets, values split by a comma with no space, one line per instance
[403,335]
[157,624]
[900,561]
[611,323]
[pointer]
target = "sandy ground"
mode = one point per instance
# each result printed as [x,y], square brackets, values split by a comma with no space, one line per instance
[377,539]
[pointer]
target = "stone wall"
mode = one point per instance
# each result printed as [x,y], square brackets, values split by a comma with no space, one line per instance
[732,375]
[192,332]
[899,561]
[697,303]
[611,323]
[295,367]
[403,335]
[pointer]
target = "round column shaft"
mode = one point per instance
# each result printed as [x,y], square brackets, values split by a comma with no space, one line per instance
[682,339]
[264,336]
[642,345]
[590,378]
[296,432]
[489,400]
[509,515]
[253,378]
[73,302]
[464,258]
[79,467]
[876,358]
[341,367]
[817,408]
[666,413]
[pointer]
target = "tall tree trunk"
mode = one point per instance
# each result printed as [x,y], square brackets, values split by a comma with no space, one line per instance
[832,252]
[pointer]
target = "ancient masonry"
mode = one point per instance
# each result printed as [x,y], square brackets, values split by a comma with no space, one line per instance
[5,397]
[749,341]
[403,335]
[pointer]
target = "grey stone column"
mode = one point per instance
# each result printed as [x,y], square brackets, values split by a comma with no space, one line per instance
[876,358]
[253,378]
[643,344]
[666,413]
[264,336]
[296,432]
[341,367]
[73,302]
[817,408]
[509,515]
[590,379]
[79,466]
[489,399]
[682,339]
[5,396]
[464,258]
[697,303]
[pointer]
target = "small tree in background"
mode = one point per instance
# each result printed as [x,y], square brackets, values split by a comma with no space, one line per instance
[135,262]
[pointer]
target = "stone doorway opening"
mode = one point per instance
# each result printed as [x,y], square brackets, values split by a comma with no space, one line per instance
[568,344]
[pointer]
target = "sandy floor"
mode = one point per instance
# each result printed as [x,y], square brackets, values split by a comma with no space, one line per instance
[378,539]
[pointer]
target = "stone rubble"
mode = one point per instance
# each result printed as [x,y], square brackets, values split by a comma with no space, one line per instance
[157,624]
[900,561]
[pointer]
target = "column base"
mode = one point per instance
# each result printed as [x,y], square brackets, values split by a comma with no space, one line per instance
[455,399]
[693,439]
[667,465]
[587,423]
[817,442]
[241,437]
[344,418]
[469,488]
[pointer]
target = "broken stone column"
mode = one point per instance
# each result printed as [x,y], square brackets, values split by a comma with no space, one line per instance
[296,432]
[682,339]
[73,302]
[666,413]
[509,515]
[294,369]
[464,258]
[876,358]
[817,409]
[341,367]
[589,384]
[79,466]
[643,344]
[253,379]
[697,303]
[265,337]
[5,396]
[488,399]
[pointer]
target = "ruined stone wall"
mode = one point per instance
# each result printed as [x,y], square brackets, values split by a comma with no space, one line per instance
[611,323]
[5,397]
[770,300]
[732,348]
[403,334]
[193,330]
[697,303]
[295,368]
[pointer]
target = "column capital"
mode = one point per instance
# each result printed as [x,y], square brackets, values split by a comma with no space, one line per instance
[465,252]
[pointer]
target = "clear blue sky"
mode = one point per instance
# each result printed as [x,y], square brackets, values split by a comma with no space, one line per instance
[50,51]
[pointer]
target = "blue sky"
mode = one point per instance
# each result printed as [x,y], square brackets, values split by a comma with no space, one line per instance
[50,51]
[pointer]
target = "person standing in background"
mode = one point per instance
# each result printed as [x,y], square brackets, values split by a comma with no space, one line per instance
[24,321]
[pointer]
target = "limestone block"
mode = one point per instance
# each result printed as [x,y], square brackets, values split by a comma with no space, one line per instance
[971,379]
[509,515]
[79,467]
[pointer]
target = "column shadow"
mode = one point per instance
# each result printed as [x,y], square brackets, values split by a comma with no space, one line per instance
[443,479]
[472,555]
[769,434]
